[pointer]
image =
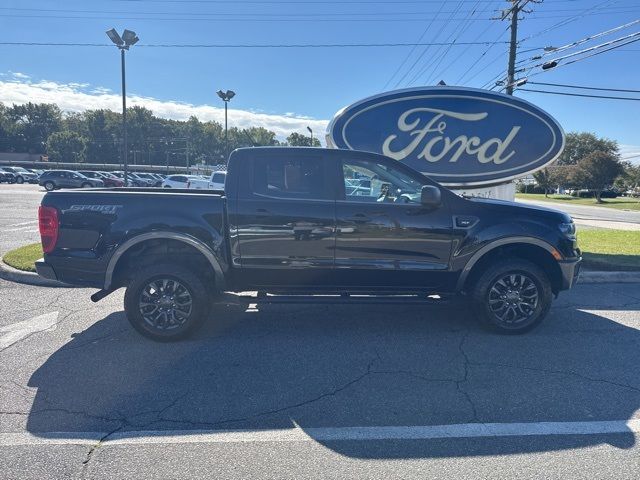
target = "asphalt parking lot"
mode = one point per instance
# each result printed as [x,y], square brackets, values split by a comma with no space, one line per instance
[313,391]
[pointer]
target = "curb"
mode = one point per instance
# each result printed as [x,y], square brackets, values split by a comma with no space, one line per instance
[609,277]
[29,278]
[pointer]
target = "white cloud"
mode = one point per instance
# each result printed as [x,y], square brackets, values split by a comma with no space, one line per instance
[19,76]
[77,97]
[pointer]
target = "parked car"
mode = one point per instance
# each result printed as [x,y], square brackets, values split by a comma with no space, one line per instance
[159,179]
[7,177]
[178,181]
[151,180]
[54,179]
[214,182]
[108,180]
[585,193]
[286,226]
[134,180]
[22,174]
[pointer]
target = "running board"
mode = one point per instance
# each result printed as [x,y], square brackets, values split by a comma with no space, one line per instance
[345,298]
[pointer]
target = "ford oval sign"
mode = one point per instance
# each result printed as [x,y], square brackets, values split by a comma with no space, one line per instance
[457,136]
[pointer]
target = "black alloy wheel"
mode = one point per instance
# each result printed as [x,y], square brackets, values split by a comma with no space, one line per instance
[511,296]
[166,302]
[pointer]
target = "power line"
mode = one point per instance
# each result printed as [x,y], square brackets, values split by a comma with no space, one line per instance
[244,45]
[318,2]
[462,30]
[468,70]
[528,65]
[224,14]
[260,18]
[434,57]
[411,52]
[580,52]
[584,87]
[578,94]
[569,20]
[578,42]
[424,51]
[585,57]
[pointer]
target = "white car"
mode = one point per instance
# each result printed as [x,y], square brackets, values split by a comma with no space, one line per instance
[178,181]
[216,182]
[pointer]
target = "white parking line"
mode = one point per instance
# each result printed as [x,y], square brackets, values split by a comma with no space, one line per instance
[31,222]
[297,434]
[27,229]
[10,334]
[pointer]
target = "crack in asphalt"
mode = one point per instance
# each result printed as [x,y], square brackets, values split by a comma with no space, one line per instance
[466,363]
[96,446]
[558,372]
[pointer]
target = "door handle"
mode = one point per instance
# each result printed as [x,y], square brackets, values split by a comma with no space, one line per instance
[358,217]
[262,210]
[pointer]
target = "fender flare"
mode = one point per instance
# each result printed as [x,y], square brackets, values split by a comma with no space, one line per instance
[181,237]
[464,274]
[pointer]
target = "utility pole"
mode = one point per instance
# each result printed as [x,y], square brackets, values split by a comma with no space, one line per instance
[516,7]
[513,46]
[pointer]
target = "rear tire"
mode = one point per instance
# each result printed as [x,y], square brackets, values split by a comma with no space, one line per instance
[20,180]
[86,185]
[166,302]
[512,296]
[49,186]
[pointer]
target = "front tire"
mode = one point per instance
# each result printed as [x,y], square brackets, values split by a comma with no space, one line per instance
[166,302]
[512,296]
[49,186]
[20,180]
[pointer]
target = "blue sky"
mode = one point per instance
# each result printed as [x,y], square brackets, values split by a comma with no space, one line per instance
[290,88]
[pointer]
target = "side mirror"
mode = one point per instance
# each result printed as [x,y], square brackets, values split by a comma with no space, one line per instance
[430,196]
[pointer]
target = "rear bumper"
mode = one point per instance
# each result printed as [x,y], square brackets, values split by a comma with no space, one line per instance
[570,272]
[45,270]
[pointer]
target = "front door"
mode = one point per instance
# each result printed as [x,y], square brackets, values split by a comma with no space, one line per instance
[285,221]
[385,238]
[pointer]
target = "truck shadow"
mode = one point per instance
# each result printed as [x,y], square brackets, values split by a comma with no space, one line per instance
[282,367]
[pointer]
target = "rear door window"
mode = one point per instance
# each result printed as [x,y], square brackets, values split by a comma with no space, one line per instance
[295,177]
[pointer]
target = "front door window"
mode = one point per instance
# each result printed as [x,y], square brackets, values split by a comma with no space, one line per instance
[376,182]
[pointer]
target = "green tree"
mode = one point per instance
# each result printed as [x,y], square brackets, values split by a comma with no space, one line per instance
[66,147]
[543,179]
[299,140]
[630,179]
[102,130]
[31,124]
[580,144]
[597,171]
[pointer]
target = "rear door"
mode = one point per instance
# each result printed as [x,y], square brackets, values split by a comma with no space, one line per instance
[285,220]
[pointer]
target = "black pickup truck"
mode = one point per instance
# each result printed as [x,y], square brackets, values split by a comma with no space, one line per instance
[307,224]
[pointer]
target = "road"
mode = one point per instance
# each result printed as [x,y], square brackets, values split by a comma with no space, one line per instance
[313,391]
[319,392]
[19,215]
[593,215]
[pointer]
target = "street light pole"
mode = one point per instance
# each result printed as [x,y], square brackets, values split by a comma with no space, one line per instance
[311,133]
[124,119]
[226,131]
[226,97]
[128,39]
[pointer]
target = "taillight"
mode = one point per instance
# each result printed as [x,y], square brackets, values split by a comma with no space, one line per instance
[48,223]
